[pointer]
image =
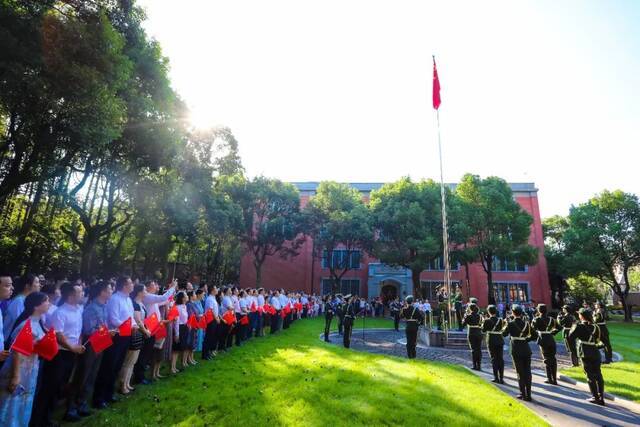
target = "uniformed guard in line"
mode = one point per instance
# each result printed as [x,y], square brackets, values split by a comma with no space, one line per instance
[457,306]
[414,318]
[339,311]
[472,321]
[328,316]
[521,332]
[587,336]
[546,327]
[349,317]
[600,320]
[567,320]
[395,308]
[493,326]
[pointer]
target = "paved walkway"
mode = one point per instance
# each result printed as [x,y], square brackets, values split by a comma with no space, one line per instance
[562,405]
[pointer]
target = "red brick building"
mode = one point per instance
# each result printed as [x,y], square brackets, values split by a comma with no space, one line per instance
[370,278]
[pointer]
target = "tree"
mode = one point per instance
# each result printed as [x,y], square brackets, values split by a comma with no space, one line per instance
[553,229]
[496,225]
[586,288]
[269,217]
[603,241]
[408,222]
[337,219]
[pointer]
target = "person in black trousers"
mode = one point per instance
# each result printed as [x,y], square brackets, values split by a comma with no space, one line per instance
[566,319]
[328,316]
[349,317]
[546,327]
[493,326]
[589,335]
[600,318]
[414,319]
[472,321]
[521,333]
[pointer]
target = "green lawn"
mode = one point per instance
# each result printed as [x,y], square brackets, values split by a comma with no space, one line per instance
[621,378]
[294,379]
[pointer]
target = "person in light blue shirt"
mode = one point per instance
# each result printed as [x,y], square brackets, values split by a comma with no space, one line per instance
[6,290]
[25,286]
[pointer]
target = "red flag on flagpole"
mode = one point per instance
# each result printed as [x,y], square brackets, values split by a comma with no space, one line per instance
[152,323]
[100,340]
[125,329]
[173,313]
[436,86]
[23,343]
[47,347]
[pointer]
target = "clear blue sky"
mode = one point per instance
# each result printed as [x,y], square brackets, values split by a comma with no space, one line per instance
[542,91]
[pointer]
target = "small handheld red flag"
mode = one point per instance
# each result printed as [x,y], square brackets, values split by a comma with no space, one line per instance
[161,332]
[202,323]
[244,320]
[228,317]
[173,313]
[47,347]
[125,329]
[23,343]
[100,340]
[192,322]
[283,313]
[436,86]
[208,316]
[152,323]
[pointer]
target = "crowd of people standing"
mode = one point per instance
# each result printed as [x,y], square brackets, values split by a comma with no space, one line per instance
[86,343]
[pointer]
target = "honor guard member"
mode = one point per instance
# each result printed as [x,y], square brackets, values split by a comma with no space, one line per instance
[349,317]
[493,326]
[414,318]
[521,332]
[457,306]
[339,308]
[472,321]
[395,308]
[546,327]
[600,320]
[587,335]
[566,319]
[328,316]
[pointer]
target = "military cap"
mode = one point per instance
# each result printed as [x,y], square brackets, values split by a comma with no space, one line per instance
[409,299]
[516,309]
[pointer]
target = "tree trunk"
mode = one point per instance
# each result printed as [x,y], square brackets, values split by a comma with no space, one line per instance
[258,266]
[87,249]
[415,279]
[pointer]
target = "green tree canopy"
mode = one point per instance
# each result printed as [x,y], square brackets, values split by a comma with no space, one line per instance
[495,225]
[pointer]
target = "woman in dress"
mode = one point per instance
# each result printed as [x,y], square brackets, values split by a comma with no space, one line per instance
[181,340]
[19,374]
[137,337]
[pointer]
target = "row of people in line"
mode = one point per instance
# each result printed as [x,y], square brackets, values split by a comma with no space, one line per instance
[88,346]
[584,336]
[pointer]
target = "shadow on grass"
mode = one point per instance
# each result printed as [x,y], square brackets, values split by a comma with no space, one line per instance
[294,379]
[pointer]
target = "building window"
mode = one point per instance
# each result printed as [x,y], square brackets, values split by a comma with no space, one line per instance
[339,259]
[507,264]
[429,289]
[438,265]
[511,293]
[347,286]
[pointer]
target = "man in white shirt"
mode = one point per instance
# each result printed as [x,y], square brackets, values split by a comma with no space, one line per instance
[119,310]
[260,303]
[277,305]
[67,322]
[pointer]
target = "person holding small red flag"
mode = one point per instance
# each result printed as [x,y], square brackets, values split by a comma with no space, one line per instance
[211,308]
[119,312]
[67,322]
[94,317]
[19,373]
[181,336]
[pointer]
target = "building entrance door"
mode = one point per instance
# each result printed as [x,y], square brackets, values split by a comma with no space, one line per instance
[388,292]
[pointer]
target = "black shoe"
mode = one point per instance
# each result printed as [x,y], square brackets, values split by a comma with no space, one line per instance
[607,362]
[593,400]
[501,381]
[72,417]
[144,381]
[495,380]
[327,340]
[519,396]
[113,399]
[601,402]
[527,399]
